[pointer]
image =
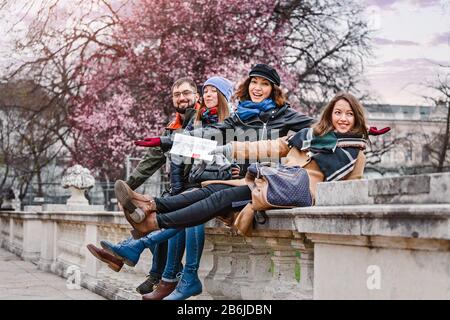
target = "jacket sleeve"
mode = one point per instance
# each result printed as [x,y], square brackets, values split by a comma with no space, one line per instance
[358,170]
[260,150]
[176,177]
[152,161]
[298,121]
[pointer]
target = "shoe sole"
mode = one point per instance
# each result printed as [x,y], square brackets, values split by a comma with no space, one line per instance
[110,251]
[110,264]
[123,195]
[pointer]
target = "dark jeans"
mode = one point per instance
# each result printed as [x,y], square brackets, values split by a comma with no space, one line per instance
[159,253]
[199,206]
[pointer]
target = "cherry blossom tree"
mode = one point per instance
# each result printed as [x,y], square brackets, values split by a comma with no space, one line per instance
[113,62]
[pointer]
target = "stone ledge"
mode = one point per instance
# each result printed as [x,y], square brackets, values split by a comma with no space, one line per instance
[418,189]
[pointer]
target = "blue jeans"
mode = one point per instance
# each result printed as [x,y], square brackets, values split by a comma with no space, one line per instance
[159,252]
[193,238]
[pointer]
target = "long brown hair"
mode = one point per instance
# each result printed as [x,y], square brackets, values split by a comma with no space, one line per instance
[325,123]
[223,111]
[277,95]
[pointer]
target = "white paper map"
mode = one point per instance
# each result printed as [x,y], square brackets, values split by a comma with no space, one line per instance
[193,147]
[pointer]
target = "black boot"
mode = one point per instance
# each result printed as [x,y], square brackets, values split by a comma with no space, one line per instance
[148,285]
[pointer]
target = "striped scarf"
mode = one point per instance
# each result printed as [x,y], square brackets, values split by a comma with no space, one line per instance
[335,153]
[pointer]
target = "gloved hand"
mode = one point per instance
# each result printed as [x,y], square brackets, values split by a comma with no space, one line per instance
[149,142]
[164,142]
[225,150]
[373,131]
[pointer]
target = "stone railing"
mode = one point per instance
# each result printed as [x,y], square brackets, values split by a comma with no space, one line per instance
[370,239]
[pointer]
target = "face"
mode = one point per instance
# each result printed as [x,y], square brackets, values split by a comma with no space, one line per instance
[183,97]
[343,117]
[210,96]
[259,89]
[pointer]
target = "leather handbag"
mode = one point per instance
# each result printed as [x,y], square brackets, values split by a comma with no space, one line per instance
[278,186]
[272,186]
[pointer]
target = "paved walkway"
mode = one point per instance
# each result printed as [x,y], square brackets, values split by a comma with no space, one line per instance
[21,280]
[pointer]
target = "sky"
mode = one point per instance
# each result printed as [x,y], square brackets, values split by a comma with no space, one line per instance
[410,38]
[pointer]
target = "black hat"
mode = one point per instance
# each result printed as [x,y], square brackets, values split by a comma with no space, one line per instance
[266,72]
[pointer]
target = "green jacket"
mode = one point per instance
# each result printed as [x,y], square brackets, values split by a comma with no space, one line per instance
[154,158]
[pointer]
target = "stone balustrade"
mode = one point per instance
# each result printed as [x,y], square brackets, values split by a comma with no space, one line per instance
[371,239]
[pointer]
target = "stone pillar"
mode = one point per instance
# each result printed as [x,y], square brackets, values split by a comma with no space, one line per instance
[238,277]
[32,234]
[221,266]
[11,233]
[92,263]
[206,265]
[283,284]
[259,273]
[306,262]
[48,245]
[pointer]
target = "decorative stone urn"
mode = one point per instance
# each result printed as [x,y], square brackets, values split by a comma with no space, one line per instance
[78,179]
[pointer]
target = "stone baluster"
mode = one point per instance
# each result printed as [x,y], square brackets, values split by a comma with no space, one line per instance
[259,273]
[92,263]
[221,266]
[206,265]
[306,262]
[31,243]
[48,245]
[238,277]
[283,282]
[11,233]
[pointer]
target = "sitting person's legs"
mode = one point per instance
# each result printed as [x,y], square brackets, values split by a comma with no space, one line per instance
[189,284]
[173,267]
[204,210]
[172,203]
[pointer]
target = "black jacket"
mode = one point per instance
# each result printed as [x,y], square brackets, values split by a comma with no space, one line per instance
[268,125]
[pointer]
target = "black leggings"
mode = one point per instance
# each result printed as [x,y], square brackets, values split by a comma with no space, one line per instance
[199,206]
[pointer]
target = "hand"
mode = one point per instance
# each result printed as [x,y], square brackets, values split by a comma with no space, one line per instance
[225,150]
[373,131]
[235,172]
[149,142]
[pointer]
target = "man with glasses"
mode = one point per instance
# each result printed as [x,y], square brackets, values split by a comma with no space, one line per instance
[185,102]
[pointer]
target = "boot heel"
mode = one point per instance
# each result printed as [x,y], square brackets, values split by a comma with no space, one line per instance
[138,215]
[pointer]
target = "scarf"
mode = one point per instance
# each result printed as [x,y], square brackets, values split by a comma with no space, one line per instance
[247,109]
[335,153]
[177,123]
[209,116]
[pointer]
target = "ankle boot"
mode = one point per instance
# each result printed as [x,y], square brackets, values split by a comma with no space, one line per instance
[188,286]
[137,204]
[162,290]
[128,250]
[149,284]
[149,223]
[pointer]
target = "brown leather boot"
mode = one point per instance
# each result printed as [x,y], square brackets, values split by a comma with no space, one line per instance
[114,263]
[162,290]
[137,204]
[140,230]
[139,209]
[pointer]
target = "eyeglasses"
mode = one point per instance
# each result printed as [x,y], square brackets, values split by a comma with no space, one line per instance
[185,93]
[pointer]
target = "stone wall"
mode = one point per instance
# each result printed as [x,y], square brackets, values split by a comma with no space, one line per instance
[371,239]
